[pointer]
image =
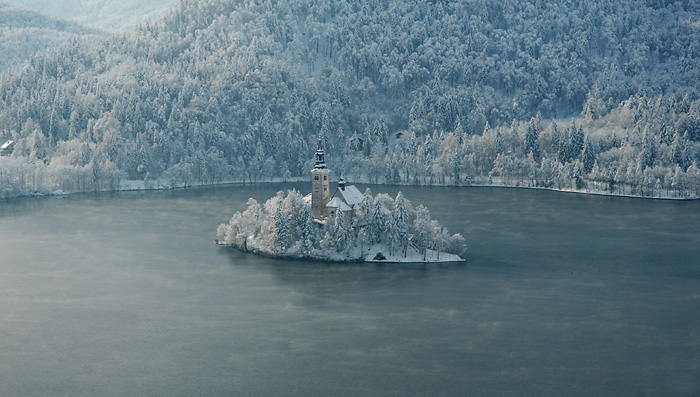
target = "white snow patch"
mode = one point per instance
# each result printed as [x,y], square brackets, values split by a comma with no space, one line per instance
[412,256]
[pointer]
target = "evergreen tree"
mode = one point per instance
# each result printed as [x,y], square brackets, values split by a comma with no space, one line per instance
[532,143]
[281,230]
[308,234]
[498,143]
[678,150]
[340,233]
[588,156]
[563,144]
[401,221]
[376,225]
[362,215]
[422,228]
[648,149]
[577,141]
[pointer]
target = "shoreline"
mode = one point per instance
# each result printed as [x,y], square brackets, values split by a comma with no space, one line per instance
[451,258]
[139,186]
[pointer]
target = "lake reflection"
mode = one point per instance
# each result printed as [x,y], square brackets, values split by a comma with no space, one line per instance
[126,294]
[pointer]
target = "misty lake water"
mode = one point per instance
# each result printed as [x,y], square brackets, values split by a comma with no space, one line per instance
[561,294]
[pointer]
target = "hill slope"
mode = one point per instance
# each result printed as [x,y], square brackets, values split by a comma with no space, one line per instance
[24,33]
[106,15]
[222,90]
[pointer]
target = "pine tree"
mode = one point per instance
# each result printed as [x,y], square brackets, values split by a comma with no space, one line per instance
[422,230]
[588,156]
[376,225]
[368,141]
[340,233]
[648,149]
[281,230]
[308,234]
[363,213]
[498,143]
[678,150]
[576,144]
[401,220]
[532,143]
[562,145]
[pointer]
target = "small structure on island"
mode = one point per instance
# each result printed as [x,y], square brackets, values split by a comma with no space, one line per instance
[346,200]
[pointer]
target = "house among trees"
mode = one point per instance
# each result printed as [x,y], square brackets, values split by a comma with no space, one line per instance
[345,200]
[7,148]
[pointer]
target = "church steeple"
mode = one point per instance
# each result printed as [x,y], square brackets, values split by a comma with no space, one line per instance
[320,185]
[320,157]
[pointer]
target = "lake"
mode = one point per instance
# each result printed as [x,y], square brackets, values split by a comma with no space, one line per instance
[562,294]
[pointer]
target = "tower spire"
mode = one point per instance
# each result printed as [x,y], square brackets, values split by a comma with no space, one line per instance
[320,184]
[320,157]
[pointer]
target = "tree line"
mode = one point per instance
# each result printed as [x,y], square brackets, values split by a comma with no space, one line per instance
[240,91]
[642,148]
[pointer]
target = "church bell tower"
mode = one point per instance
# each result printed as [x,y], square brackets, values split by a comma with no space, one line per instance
[320,185]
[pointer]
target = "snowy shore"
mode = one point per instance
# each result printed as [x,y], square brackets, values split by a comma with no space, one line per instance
[140,185]
[413,256]
[374,254]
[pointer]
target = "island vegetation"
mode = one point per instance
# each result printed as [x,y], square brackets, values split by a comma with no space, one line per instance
[384,229]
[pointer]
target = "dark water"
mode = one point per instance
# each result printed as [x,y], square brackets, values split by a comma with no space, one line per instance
[126,294]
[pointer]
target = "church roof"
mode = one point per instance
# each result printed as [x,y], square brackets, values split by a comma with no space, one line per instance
[351,195]
[339,204]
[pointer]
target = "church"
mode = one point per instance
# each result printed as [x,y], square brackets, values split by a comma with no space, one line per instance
[345,200]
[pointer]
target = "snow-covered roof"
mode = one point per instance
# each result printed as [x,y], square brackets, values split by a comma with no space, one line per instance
[7,144]
[339,204]
[307,199]
[351,195]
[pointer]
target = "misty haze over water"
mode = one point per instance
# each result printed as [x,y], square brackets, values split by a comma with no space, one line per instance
[562,294]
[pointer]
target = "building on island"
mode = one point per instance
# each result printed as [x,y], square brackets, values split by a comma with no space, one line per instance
[320,185]
[345,200]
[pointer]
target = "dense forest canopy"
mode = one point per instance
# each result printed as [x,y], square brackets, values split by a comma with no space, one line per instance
[403,91]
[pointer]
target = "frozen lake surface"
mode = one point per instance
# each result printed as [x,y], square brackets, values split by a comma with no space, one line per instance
[562,294]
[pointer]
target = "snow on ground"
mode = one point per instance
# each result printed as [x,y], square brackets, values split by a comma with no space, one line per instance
[372,255]
[412,256]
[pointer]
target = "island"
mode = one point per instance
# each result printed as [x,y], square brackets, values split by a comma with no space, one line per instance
[348,226]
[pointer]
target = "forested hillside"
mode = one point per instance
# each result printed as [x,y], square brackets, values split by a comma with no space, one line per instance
[105,15]
[240,90]
[24,33]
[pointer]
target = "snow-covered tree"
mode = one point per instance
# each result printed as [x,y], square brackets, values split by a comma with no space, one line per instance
[281,230]
[532,143]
